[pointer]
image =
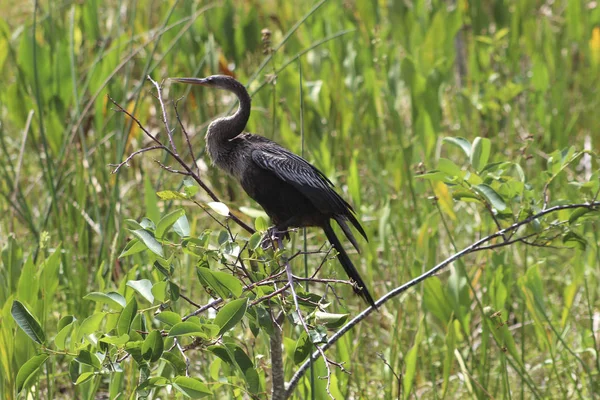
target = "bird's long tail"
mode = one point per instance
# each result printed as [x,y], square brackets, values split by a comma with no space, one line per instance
[350,269]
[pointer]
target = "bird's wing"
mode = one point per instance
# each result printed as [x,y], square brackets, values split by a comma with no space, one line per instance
[299,173]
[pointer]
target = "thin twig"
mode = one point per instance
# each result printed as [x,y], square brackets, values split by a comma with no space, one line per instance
[164,113]
[135,153]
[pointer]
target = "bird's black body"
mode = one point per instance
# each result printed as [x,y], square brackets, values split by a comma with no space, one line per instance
[292,191]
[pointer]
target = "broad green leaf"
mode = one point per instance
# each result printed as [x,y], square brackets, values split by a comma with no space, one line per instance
[168,317]
[151,243]
[126,317]
[255,240]
[90,325]
[88,358]
[302,349]
[159,291]
[29,370]
[84,377]
[143,287]
[167,222]
[113,299]
[219,208]
[115,340]
[153,346]
[190,187]
[191,387]
[231,313]
[182,227]
[450,168]
[260,224]
[331,321]
[176,361]
[480,153]
[27,322]
[188,329]
[222,283]
[60,340]
[134,246]
[461,143]
[492,197]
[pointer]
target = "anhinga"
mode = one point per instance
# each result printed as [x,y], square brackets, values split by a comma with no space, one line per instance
[292,191]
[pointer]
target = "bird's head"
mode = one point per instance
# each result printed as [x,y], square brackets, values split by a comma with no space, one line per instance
[216,81]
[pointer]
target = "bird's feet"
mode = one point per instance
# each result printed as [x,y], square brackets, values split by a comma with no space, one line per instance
[273,237]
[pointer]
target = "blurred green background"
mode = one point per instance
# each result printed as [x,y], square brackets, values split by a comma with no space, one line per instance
[383,83]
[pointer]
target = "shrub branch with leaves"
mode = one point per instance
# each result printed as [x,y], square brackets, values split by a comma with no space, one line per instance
[252,286]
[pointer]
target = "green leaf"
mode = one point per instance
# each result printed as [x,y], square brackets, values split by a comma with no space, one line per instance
[113,299]
[151,243]
[60,340]
[219,208]
[255,240]
[222,283]
[302,349]
[176,361]
[449,167]
[231,314]
[88,358]
[331,321]
[260,224]
[168,317]
[159,291]
[191,387]
[153,346]
[143,287]
[188,329]
[461,143]
[572,238]
[65,321]
[115,340]
[580,212]
[190,187]
[90,325]
[492,197]
[126,317]
[84,377]
[29,370]
[480,153]
[134,246]
[27,322]
[167,222]
[182,227]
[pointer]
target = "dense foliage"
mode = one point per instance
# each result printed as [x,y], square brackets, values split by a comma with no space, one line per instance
[443,124]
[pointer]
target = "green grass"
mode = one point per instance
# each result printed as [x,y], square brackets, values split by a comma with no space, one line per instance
[383,84]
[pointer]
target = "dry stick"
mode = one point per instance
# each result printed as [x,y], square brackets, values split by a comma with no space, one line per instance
[277,368]
[291,386]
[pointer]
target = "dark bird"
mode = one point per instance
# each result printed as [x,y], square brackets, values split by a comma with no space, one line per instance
[291,190]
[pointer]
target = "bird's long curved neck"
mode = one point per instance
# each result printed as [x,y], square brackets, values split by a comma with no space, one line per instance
[222,130]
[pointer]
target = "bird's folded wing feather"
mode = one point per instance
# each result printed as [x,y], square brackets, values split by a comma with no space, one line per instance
[299,173]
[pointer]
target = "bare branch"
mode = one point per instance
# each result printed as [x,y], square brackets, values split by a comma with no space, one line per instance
[291,386]
[135,153]
[164,114]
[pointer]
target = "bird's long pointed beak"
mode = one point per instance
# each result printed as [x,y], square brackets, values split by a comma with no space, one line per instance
[191,81]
